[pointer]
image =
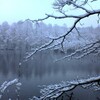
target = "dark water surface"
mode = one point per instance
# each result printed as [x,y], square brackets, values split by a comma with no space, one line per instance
[41,70]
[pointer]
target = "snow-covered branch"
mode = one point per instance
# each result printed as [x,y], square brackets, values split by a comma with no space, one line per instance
[54,91]
[6,84]
[86,50]
[60,4]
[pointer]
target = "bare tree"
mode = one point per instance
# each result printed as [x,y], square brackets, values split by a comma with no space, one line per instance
[54,91]
[62,6]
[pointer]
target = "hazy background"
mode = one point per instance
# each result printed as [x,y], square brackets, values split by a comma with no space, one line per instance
[15,10]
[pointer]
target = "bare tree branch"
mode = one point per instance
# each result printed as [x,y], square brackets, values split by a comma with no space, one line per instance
[54,91]
[77,18]
[86,50]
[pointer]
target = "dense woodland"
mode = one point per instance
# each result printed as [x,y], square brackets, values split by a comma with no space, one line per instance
[27,36]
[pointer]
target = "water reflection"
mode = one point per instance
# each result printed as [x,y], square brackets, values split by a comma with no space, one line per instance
[42,70]
[43,63]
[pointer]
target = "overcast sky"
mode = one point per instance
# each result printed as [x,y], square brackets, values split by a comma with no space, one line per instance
[15,10]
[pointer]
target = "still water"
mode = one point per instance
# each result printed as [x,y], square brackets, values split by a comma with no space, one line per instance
[42,70]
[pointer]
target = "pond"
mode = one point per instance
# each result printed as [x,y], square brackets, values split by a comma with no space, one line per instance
[42,70]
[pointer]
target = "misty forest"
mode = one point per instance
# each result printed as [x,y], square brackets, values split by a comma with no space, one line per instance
[45,61]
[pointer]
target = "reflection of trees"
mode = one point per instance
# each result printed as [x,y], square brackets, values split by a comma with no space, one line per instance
[43,64]
[8,61]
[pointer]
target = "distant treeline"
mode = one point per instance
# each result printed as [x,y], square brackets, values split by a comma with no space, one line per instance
[26,35]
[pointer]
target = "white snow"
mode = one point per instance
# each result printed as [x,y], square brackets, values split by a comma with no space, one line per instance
[6,84]
[53,91]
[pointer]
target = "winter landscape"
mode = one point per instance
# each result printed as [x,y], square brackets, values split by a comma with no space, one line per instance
[40,60]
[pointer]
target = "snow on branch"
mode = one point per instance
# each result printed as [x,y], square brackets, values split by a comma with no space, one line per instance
[77,18]
[60,4]
[6,84]
[54,91]
[86,50]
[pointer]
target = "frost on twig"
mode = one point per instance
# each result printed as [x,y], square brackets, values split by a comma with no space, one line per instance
[93,47]
[6,84]
[80,4]
[54,91]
